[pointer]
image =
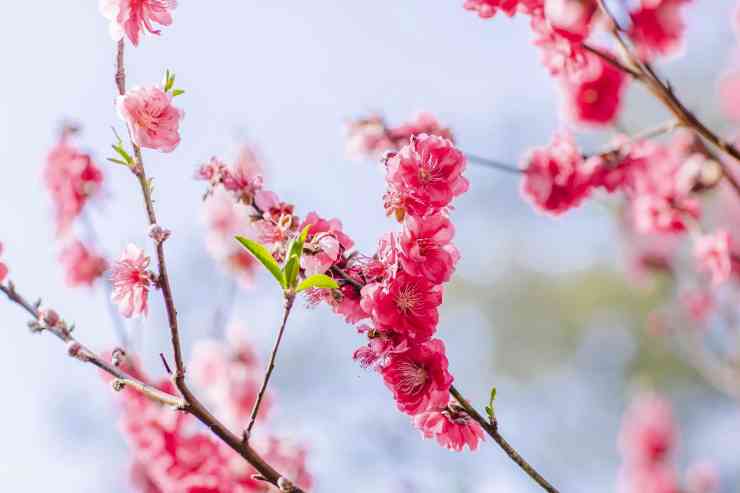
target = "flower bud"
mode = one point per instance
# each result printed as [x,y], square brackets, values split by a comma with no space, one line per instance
[48,317]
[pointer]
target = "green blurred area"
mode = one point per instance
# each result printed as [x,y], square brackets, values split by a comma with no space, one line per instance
[540,319]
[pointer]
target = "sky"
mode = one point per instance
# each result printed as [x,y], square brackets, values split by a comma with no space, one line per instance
[286,76]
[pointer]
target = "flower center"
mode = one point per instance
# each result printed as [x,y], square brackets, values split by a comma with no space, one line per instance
[407,299]
[413,377]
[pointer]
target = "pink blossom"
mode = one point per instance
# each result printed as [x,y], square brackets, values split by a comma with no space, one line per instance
[225,218]
[427,173]
[648,433]
[385,263]
[244,177]
[556,177]
[367,137]
[489,8]
[131,281]
[72,178]
[325,243]
[656,478]
[132,17]
[698,303]
[407,305]
[418,377]
[729,94]
[562,54]
[3,267]
[153,120]
[426,248]
[596,100]
[712,253]
[82,266]
[451,427]
[657,27]
[571,18]
[371,137]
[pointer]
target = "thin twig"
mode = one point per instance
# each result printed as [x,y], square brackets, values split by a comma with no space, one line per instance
[492,430]
[489,163]
[289,299]
[85,355]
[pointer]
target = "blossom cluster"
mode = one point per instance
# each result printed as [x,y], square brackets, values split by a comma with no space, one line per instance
[592,87]
[396,293]
[647,441]
[173,453]
[661,183]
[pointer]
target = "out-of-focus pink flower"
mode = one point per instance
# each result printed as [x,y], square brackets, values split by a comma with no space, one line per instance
[418,377]
[173,454]
[244,177]
[452,428]
[712,253]
[648,433]
[153,120]
[657,478]
[407,305]
[131,281]
[371,136]
[82,266]
[489,8]
[657,27]
[132,17]
[3,267]
[702,477]
[561,54]
[225,218]
[571,18]
[72,178]
[729,94]
[596,101]
[427,174]
[698,303]
[556,177]
[325,243]
[426,248]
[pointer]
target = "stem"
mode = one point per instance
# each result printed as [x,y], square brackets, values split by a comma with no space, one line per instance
[289,299]
[192,404]
[492,430]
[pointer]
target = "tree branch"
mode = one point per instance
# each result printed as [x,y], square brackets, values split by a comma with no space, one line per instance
[664,93]
[491,428]
[192,404]
[80,352]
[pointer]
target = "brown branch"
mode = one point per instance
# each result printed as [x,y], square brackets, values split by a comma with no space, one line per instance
[192,404]
[491,428]
[289,299]
[664,93]
[80,352]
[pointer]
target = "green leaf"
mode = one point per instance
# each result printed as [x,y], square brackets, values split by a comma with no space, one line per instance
[122,152]
[489,408]
[292,267]
[177,92]
[262,254]
[319,281]
[118,161]
[296,248]
[169,80]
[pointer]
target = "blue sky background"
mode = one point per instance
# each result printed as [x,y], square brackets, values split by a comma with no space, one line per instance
[286,75]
